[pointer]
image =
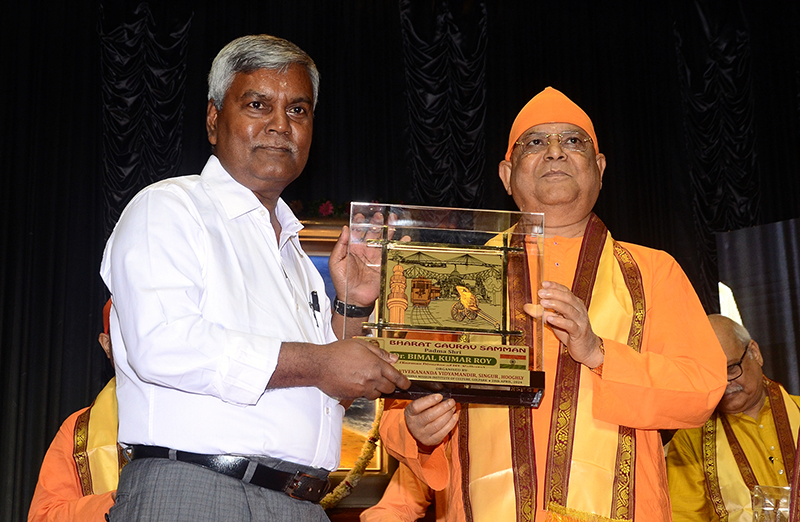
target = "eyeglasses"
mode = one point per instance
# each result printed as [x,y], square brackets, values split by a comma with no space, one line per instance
[537,142]
[735,370]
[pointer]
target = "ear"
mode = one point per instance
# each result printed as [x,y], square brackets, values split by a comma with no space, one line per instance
[756,351]
[504,170]
[105,342]
[211,122]
[601,165]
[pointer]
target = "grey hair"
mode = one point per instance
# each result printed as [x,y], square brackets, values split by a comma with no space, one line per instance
[743,336]
[250,53]
[739,332]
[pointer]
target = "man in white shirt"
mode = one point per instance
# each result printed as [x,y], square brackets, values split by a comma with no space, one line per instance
[229,371]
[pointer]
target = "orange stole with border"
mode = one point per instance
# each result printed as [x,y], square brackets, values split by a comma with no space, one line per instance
[497,447]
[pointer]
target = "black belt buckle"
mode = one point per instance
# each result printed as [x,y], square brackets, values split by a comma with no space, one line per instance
[303,486]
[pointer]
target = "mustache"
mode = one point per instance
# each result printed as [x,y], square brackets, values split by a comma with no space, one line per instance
[733,388]
[281,144]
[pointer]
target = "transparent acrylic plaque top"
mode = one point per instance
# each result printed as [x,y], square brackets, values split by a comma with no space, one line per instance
[449,285]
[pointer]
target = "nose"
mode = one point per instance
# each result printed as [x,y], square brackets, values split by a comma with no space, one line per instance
[554,150]
[277,121]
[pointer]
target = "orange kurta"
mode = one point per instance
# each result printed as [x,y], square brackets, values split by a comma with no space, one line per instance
[59,494]
[406,499]
[675,382]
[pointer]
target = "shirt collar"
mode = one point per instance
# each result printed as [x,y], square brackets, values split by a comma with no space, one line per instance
[238,200]
[290,225]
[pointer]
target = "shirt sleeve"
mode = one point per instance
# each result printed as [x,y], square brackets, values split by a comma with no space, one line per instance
[406,499]
[58,496]
[154,265]
[687,487]
[679,376]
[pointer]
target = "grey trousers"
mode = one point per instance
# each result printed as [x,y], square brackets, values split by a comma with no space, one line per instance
[160,489]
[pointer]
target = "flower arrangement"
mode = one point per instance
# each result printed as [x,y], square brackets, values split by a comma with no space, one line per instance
[323,208]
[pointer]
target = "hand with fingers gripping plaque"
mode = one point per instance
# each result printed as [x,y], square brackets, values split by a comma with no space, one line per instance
[567,316]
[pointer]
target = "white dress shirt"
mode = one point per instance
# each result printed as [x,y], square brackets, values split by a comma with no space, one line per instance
[203,296]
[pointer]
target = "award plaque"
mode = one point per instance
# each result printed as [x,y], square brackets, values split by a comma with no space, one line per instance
[452,285]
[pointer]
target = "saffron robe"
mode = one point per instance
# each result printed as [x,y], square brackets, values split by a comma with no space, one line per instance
[674,380]
[80,470]
[406,499]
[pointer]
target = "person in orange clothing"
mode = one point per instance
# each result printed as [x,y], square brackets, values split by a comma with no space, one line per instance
[748,441]
[406,499]
[627,350]
[80,471]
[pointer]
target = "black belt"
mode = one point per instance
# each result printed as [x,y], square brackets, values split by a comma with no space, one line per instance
[297,485]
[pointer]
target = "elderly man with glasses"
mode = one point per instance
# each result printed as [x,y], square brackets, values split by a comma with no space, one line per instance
[627,350]
[750,439]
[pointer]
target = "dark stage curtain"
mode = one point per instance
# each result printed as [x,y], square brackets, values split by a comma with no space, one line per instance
[696,105]
[445,67]
[50,242]
[143,85]
[714,68]
[761,265]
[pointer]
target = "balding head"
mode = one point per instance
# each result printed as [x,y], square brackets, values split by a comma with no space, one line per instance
[732,336]
[745,392]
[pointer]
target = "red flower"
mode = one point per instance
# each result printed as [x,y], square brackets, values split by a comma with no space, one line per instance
[326,209]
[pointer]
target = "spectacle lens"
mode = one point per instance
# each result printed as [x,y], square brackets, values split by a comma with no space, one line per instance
[537,142]
[735,370]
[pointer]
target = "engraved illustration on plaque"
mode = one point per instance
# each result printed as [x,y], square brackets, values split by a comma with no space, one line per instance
[443,288]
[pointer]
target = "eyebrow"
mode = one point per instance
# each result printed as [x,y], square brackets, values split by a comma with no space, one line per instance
[250,93]
[533,134]
[566,131]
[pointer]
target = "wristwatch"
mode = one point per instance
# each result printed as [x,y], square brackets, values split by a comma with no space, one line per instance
[349,310]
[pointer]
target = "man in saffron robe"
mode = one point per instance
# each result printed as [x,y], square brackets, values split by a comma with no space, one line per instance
[80,471]
[627,350]
[406,499]
[750,439]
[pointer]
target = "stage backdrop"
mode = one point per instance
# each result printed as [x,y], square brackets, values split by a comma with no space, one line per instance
[761,265]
